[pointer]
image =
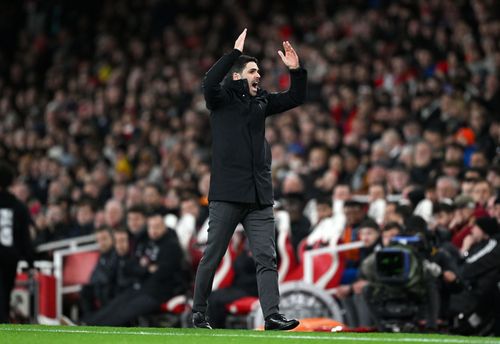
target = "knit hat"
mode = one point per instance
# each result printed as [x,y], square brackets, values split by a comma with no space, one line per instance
[489,225]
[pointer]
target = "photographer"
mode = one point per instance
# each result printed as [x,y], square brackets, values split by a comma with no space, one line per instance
[351,295]
[440,269]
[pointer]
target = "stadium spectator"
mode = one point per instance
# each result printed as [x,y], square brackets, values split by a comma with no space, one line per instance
[163,277]
[355,215]
[113,214]
[136,226]
[127,267]
[325,232]
[299,223]
[99,291]
[351,295]
[84,223]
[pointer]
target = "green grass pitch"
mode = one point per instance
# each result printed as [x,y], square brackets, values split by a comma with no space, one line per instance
[37,334]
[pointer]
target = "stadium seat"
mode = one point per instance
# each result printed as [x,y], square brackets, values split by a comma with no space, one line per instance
[239,312]
[225,272]
[327,268]
[286,253]
[77,270]
[176,305]
[243,306]
[78,267]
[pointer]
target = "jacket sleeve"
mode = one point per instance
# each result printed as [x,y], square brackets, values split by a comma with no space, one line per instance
[295,96]
[214,94]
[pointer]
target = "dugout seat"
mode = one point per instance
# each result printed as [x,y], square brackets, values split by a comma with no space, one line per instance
[286,253]
[327,268]
[239,311]
[78,267]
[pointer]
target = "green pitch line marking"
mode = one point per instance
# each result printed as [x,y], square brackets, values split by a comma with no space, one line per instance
[252,334]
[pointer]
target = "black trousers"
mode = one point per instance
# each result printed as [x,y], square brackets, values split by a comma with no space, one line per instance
[7,280]
[260,231]
[87,300]
[123,309]
[94,297]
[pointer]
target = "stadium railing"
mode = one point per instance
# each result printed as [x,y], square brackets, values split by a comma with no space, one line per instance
[66,243]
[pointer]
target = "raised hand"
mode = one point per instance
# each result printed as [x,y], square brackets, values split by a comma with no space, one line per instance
[290,58]
[240,41]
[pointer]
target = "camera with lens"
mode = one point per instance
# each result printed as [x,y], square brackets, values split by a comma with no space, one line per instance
[397,293]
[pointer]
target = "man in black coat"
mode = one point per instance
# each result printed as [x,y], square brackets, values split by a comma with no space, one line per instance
[15,240]
[240,185]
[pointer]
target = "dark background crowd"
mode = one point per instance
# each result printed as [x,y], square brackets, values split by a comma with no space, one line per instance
[102,114]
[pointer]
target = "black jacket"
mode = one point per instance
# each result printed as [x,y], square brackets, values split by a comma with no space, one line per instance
[128,274]
[15,240]
[103,276]
[480,276]
[241,156]
[170,278]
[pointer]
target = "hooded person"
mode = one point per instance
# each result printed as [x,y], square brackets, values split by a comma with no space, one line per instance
[480,274]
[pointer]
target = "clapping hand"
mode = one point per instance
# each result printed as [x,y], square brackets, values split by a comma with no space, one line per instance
[290,58]
[240,41]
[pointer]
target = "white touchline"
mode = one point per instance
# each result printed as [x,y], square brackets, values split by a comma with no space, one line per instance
[467,340]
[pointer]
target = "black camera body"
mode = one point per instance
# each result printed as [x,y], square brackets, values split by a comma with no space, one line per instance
[397,294]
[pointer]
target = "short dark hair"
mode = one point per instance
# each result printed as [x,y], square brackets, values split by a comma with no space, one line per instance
[154,212]
[155,186]
[403,210]
[104,228]
[240,64]
[120,230]
[87,202]
[7,174]
[415,224]
[370,223]
[137,209]
[324,200]
[353,204]
[392,225]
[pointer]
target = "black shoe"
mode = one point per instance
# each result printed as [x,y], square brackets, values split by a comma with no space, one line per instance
[200,321]
[279,322]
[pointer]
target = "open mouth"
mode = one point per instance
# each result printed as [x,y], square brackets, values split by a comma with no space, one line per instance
[255,85]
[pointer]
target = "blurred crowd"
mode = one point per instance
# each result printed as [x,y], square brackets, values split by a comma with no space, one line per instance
[102,114]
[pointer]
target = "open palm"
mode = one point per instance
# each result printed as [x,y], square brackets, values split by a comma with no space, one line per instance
[290,58]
